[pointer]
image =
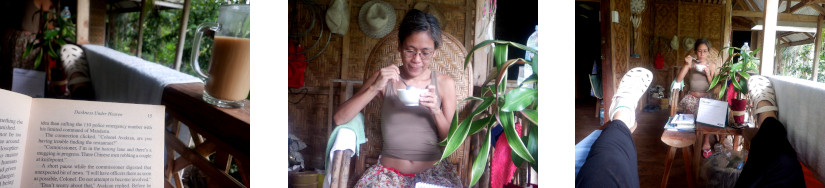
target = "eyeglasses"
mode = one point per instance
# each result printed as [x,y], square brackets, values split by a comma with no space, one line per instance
[412,53]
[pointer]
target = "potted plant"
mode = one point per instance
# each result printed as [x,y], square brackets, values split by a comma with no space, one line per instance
[734,78]
[499,106]
[55,31]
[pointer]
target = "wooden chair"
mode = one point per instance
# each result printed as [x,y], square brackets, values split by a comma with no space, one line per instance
[596,88]
[678,140]
[449,60]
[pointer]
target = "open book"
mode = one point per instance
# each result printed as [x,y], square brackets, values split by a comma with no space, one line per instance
[67,143]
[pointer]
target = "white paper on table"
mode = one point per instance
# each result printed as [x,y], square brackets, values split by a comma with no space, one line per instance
[29,82]
[712,112]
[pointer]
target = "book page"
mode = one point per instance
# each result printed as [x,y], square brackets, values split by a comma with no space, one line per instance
[94,144]
[14,122]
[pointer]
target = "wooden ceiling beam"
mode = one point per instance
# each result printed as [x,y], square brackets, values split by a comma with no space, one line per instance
[780,17]
[801,42]
[798,6]
[755,6]
[786,34]
[745,4]
[818,8]
[809,35]
[783,40]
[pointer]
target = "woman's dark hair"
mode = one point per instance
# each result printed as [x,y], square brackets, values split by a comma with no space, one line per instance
[417,21]
[700,41]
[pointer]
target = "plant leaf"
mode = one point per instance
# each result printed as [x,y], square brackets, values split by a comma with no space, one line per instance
[532,79]
[714,81]
[500,55]
[487,101]
[454,123]
[533,145]
[518,99]
[502,84]
[532,115]
[724,89]
[535,64]
[514,157]
[37,60]
[745,75]
[480,164]
[736,86]
[456,139]
[50,34]
[506,119]
[453,126]
[477,125]
[743,84]
[736,67]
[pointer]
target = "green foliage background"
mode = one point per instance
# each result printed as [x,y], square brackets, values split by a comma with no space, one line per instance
[798,62]
[160,35]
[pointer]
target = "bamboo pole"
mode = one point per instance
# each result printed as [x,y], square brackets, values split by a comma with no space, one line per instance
[182,34]
[82,21]
[140,29]
[817,46]
[769,39]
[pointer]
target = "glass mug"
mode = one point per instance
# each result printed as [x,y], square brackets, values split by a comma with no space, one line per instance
[227,83]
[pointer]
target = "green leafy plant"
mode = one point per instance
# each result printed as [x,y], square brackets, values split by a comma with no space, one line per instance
[737,72]
[55,31]
[499,106]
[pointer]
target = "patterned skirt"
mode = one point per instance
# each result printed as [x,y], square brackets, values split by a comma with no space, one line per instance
[442,174]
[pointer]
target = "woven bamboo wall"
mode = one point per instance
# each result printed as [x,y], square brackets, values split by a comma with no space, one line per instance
[621,36]
[346,58]
[661,20]
[683,19]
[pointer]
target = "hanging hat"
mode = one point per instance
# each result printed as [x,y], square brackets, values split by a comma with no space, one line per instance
[689,42]
[376,18]
[338,17]
[674,44]
[428,8]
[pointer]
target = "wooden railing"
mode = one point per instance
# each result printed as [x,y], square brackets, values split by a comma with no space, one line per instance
[216,131]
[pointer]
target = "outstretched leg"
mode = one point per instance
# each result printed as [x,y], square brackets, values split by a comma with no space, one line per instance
[772,160]
[612,158]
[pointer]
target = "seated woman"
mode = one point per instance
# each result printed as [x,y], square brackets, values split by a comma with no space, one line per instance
[700,72]
[409,151]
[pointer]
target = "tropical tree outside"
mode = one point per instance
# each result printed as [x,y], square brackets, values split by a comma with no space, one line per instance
[797,62]
[160,35]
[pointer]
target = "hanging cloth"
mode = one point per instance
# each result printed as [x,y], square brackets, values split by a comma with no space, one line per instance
[297,65]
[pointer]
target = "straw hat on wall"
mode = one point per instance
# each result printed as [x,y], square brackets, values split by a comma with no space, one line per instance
[338,17]
[376,18]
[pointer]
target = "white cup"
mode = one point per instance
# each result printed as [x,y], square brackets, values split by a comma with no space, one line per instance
[410,96]
[700,68]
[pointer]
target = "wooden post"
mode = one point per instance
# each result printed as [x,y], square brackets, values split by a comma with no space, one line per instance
[769,39]
[82,21]
[728,29]
[817,46]
[140,29]
[182,34]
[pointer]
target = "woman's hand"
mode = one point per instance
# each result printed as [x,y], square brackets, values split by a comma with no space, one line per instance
[386,74]
[688,61]
[428,99]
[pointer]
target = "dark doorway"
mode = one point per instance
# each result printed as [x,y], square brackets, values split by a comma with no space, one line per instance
[588,45]
[739,39]
[516,21]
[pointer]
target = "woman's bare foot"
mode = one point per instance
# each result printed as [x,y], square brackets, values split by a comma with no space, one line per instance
[706,152]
